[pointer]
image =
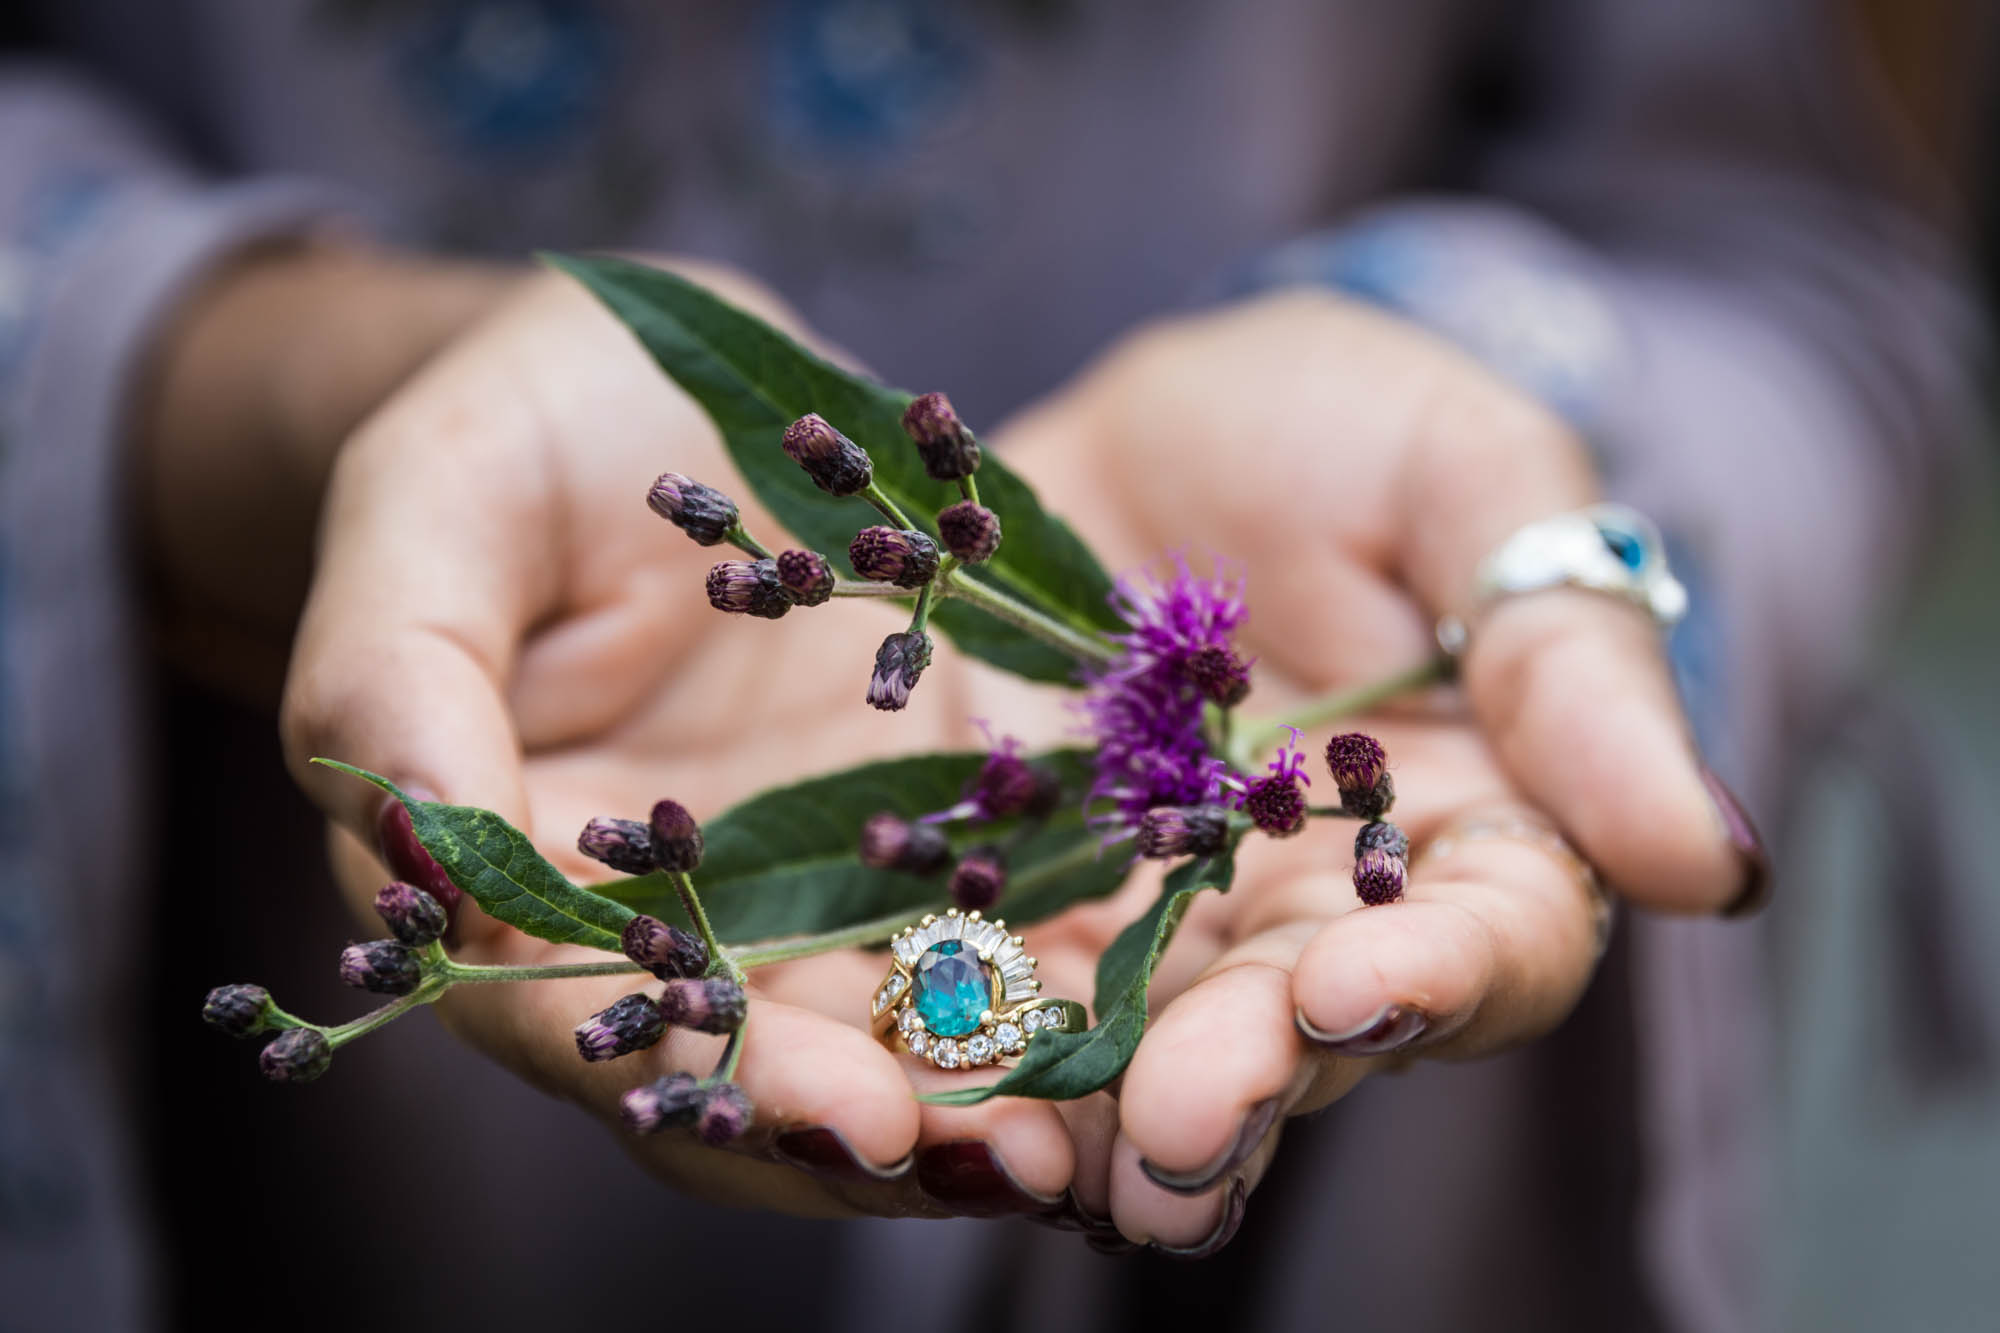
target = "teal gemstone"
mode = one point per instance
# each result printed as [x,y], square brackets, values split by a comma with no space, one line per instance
[953,988]
[1628,548]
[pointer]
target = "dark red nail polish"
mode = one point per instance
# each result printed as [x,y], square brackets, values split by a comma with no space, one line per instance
[823,1152]
[1250,1132]
[968,1179]
[1226,1226]
[1390,1028]
[405,856]
[1756,890]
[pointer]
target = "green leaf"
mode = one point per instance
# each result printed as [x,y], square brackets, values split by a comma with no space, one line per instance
[753,381]
[786,862]
[1060,1066]
[494,862]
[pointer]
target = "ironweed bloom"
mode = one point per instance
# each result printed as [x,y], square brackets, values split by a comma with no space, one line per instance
[1222,677]
[706,1004]
[890,842]
[1360,768]
[702,512]
[1379,877]
[1168,831]
[898,663]
[725,1113]
[672,1102]
[979,880]
[240,1011]
[902,556]
[385,967]
[970,531]
[677,841]
[948,449]
[806,577]
[631,1024]
[413,916]
[836,464]
[1380,836]
[1274,802]
[668,952]
[622,844]
[748,588]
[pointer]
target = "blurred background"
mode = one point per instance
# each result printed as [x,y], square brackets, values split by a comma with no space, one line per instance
[1045,173]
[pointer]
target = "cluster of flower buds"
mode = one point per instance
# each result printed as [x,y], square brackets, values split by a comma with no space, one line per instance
[667,951]
[904,557]
[669,840]
[637,1021]
[716,1112]
[1381,862]
[1360,768]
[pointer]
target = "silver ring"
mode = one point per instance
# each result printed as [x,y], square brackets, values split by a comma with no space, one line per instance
[1606,548]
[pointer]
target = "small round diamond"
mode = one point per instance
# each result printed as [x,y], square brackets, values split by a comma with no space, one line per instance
[909,1020]
[1052,1018]
[1032,1021]
[979,1049]
[917,1042]
[1009,1036]
[894,985]
[946,1054]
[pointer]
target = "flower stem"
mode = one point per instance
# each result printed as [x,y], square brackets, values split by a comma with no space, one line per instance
[850,588]
[1088,646]
[923,615]
[725,1068]
[475,973]
[691,904]
[431,987]
[969,488]
[739,537]
[876,931]
[886,507]
[1256,737]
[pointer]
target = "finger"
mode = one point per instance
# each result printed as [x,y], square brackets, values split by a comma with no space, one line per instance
[1572,687]
[416,613]
[1492,945]
[1183,1226]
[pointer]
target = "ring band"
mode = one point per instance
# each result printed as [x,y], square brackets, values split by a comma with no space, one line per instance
[1516,828]
[961,992]
[1606,548]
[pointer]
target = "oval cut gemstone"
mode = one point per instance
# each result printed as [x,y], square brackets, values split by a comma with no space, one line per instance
[953,988]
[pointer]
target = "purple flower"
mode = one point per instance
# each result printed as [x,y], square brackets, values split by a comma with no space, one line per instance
[979,879]
[1145,709]
[677,841]
[748,588]
[902,556]
[672,1102]
[836,464]
[890,842]
[299,1055]
[1221,675]
[240,1011]
[948,449]
[806,577]
[622,844]
[1274,802]
[706,1004]
[668,952]
[1360,768]
[898,663]
[1379,877]
[725,1113]
[413,916]
[702,512]
[970,531]
[632,1024]
[1381,836]
[1005,785]
[1168,831]
[382,966]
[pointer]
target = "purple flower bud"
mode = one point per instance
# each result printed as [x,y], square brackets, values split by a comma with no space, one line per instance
[836,464]
[901,556]
[1276,805]
[725,1114]
[1357,761]
[1372,803]
[748,588]
[1383,837]
[622,844]
[666,951]
[632,1024]
[1168,831]
[240,1011]
[947,447]
[979,879]
[706,1004]
[1005,785]
[413,916]
[970,531]
[296,1056]
[898,662]
[807,578]
[702,512]
[890,842]
[382,966]
[1378,877]
[672,1102]
[677,843]
[1221,676]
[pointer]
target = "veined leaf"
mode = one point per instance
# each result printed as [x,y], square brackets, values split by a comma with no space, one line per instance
[494,863]
[1060,1066]
[753,381]
[786,862]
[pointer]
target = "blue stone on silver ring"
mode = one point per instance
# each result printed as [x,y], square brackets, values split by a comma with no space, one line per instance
[1627,546]
[952,989]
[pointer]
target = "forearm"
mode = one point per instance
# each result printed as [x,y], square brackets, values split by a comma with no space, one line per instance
[264,369]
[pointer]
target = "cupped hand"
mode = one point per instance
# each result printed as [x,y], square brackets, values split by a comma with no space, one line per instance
[1358,470]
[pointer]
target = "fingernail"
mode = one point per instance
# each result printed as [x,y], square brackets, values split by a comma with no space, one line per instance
[1065,1216]
[405,856]
[967,1178]
[1756,890]
[1390,1028]
[1250,1132]
[823,1152]
[1109,1244]
[1226,1226]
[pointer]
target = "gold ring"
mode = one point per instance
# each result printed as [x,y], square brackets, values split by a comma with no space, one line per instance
[961,992]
